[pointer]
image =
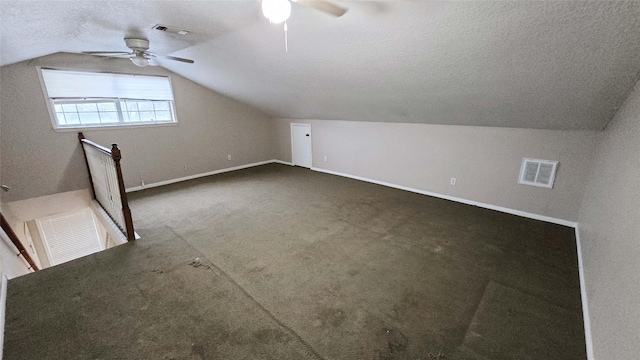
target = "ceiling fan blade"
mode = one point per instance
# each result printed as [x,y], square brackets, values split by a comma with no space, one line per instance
[113,53]
[324,6]
[189,61]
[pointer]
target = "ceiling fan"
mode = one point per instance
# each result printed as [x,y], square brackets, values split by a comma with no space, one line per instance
[139,54]
[278,11]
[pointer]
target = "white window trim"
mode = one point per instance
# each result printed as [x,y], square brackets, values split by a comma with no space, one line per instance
[52,113]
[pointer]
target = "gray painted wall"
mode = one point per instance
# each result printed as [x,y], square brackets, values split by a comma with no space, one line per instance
[609,226]
[37,161]
[485,161]
[10,264]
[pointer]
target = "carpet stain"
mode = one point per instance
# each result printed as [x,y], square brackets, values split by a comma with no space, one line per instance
[200,351]
[353,272]
[331,316]
[393,344]
[397,342]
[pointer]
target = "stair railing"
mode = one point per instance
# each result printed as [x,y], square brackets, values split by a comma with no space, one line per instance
[17,243]
[107,183]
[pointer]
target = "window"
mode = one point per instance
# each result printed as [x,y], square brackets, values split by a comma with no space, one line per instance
[69,236]
[80,99]
[538,172]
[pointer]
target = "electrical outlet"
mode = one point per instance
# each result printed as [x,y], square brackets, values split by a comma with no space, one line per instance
[453,181]
[142,183]
[185,168]
[228,157]
[325,158]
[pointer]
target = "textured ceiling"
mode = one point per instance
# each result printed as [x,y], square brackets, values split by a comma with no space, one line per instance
[555,65]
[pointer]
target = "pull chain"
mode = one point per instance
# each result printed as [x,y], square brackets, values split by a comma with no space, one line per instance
[286,37]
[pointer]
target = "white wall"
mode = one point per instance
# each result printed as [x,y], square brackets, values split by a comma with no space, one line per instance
[11,264]
[485,161]
[38,161]
[609,226]
[45,206]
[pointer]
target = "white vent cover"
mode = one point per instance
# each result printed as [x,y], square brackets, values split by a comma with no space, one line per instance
[171,29]
[538,172]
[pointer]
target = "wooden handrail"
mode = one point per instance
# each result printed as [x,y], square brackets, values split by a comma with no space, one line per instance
[16,241]
[126,212]
[95,145]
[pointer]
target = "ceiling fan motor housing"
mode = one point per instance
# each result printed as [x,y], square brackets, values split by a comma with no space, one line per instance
[137,44]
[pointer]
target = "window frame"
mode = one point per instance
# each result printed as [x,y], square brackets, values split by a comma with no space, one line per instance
[121,124]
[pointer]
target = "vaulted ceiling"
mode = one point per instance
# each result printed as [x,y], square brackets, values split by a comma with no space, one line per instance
[542,64]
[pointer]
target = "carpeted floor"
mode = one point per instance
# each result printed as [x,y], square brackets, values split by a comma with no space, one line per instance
[278,262]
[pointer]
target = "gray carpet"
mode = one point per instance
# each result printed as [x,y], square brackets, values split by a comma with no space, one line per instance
[296,264]
[513,325]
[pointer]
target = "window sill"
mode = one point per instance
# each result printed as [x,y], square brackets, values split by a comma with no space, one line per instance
[111,127]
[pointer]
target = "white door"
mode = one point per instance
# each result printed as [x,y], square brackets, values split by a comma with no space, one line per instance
[301,145]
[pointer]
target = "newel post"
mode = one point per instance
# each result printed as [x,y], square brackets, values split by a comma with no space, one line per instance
[126,212]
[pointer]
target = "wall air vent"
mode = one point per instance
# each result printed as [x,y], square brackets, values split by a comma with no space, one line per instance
[538,172]
[170,29]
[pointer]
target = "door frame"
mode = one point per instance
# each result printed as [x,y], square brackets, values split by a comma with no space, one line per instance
[308,126]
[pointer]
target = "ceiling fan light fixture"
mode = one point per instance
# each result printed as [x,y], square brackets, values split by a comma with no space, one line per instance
[139,60]
[276,11]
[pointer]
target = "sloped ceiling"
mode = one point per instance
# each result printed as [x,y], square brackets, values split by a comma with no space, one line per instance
[554,65]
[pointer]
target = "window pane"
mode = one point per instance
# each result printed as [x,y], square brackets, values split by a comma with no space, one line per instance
[147,116]
[57,107]
[161,105]
[163,116]
[90,118]
[132,105]
[134,117]
[60,118]
[107,107]
[145,106]
[72,118]
[87,107]
[69,108]
[109,117]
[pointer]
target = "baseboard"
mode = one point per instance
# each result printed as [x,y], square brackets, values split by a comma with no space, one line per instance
[583,295]
[456,199]
[191,177]
[3,305]
[282,162]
